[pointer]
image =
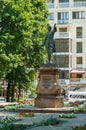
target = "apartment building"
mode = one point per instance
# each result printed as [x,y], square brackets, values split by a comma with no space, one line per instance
[70,39]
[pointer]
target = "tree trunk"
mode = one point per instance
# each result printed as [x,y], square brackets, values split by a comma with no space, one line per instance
[19,93]
[13,91]
[8,92]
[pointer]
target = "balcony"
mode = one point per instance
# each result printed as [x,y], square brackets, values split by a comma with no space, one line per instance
[62,35]
[79,66]
[50,5]
[79,4]
[65,21]
[64,4]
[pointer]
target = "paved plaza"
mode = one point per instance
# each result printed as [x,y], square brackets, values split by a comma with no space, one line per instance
[66,124]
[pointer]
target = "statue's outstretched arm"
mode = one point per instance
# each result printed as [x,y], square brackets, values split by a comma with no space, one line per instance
[54,28]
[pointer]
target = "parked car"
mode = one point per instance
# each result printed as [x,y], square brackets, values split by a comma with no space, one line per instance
[2,99]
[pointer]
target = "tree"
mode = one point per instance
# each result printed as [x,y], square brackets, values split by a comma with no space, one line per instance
[22,28]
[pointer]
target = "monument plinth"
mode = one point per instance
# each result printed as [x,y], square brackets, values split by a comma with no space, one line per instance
[49,89]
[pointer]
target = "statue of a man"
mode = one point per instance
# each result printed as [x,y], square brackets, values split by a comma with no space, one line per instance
[49,42]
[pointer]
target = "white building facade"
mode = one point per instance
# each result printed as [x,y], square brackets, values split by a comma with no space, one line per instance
[70,18]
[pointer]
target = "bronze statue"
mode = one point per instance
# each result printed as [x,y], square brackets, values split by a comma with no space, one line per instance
[49,42]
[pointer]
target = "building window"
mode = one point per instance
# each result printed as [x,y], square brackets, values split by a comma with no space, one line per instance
[79,62]
[62,45]
[50,3]
[64,3]
[79,32]
[79,47]
[51,16]
[62,61]
[62,29]
[78,15]
[63,17]
[78,3]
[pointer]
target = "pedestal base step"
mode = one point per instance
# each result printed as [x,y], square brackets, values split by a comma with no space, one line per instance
[49,102]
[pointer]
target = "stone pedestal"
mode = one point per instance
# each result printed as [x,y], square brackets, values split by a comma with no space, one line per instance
[49,89]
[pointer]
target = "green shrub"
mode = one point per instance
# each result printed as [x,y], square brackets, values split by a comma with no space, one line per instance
[13,127]
[14,107]
[8,119]
[63,115]
[49,121]
[80,127]
[80,109]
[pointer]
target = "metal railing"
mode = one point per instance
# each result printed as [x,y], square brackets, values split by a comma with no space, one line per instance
[77,81]
[63,21]
[79,4]
[62,35]
[64,4]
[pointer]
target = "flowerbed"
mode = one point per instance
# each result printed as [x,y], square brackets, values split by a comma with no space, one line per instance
[80,109]
[22,104]
[31,102]
[22,114]
[2,105]
[76,103]
[14,107]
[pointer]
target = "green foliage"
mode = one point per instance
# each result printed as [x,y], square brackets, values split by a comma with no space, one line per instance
[80,127]
[8,119]
[63,115]
[5,127]
[80,108]
[32,88]
[13,127]
[14,107]
[49,121]
[22,29]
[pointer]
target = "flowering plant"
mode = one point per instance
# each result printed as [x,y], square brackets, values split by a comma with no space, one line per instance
[31,102]
[22,114]
[76,103]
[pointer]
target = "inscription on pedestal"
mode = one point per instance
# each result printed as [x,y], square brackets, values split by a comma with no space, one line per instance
[46,81]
